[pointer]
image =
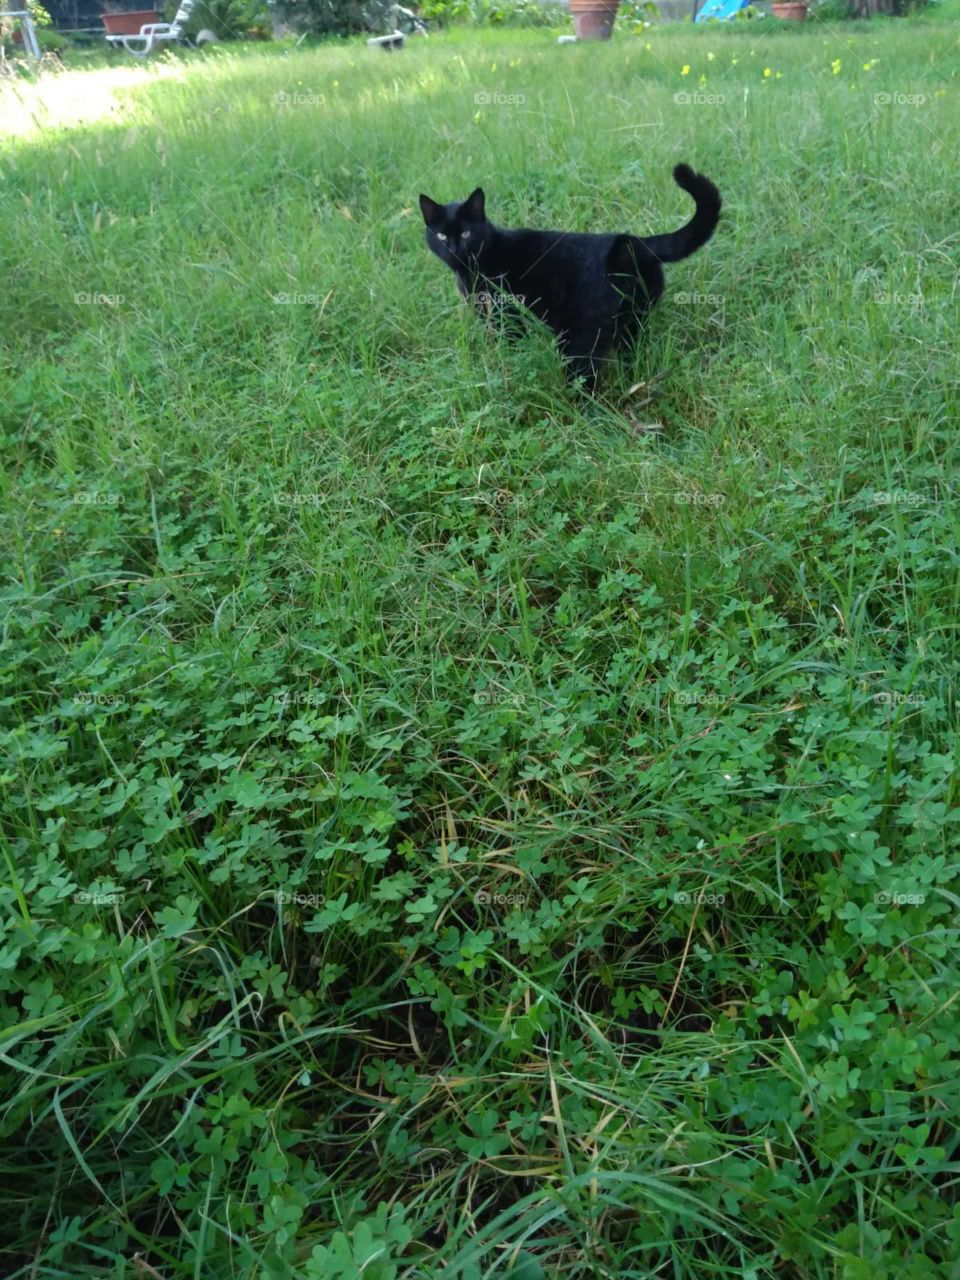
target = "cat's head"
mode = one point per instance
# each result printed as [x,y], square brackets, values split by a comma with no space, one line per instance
[456,232]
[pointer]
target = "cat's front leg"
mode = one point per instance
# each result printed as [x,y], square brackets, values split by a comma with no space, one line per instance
[584,367]
[583,354]
[477,293]
[504,315]
[498,311]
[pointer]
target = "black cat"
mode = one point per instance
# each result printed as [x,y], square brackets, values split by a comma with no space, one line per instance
[592,290]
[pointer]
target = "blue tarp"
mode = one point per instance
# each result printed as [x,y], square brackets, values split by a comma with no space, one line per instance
[720,9]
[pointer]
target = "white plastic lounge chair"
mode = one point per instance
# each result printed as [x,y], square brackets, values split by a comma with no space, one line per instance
[155,32]
[394,40]
[404,23]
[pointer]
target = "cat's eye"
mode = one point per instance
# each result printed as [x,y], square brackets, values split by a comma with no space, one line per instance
[465,235]
[441,236]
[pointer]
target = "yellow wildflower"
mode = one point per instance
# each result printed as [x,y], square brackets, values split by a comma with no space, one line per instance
[836,64]
[711,56]
[767,73]
[685,71]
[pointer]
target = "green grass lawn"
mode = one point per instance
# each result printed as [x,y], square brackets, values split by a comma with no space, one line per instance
[453,829]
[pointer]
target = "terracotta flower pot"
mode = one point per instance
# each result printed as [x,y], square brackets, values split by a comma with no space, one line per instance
[791,10]
[593,19]
[129,24]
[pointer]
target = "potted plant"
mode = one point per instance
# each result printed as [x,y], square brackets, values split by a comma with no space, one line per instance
[791,10]
[593,19]
[12,28]
[126,22]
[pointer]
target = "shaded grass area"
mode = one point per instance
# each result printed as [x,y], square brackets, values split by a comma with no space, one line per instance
[452,828]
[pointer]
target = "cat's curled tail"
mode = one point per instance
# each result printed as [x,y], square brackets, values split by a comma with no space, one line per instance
[680,244]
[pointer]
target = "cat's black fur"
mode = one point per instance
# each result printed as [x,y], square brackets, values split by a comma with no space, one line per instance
[592,290]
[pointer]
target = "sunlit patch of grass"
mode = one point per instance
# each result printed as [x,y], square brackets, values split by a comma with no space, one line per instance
[76,99]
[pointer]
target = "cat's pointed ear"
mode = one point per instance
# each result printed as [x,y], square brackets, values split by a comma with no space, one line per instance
[430,209]
[473,206]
